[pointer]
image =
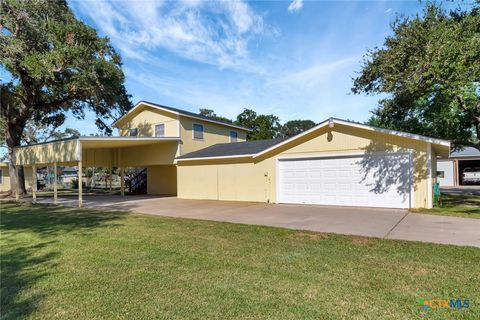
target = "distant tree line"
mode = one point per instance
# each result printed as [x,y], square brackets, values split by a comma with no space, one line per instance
[264,126]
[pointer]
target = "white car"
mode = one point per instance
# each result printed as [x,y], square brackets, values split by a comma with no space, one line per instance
[471,175]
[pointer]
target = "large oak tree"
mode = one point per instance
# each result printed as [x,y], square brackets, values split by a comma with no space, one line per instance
[429,71]
[54,64]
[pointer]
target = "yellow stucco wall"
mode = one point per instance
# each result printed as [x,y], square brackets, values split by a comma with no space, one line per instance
[256,180]
[213,134]
[162,180]
[58,151]
[5,183]
[145,120]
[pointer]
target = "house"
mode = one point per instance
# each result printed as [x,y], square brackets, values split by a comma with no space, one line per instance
[5,177]
[185,154]
[68,174]
[449,170]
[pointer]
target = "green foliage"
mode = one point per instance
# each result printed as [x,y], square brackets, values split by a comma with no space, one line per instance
[430,70]
[262,126]
[56,63]
[37,133]
[294,127]
[209,113]
[74,184]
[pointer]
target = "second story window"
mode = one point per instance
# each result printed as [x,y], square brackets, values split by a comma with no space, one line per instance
[197,131]
[160,130]
[233,136]
[133,132]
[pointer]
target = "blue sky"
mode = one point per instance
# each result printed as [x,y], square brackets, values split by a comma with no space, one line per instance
[293,59]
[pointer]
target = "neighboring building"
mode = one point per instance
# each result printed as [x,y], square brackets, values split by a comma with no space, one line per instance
[185,154]
[5,177]
[449,171]
[68,174]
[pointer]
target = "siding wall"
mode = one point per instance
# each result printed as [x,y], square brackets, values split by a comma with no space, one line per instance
[162,180]
[5,184]
[145,121]
[213,134]
[256,181]
[58,151]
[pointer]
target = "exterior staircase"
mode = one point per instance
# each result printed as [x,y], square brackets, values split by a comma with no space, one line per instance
[137,182]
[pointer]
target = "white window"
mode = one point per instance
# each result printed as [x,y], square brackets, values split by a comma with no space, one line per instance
[1,176]
[160,130]
[233,136]
[197,131]
[133,132]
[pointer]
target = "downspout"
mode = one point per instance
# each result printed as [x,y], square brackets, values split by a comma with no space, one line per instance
[429,177]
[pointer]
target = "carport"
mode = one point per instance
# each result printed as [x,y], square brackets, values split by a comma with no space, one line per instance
[155,153]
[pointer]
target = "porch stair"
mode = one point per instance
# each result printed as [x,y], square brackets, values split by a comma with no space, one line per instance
[137,183]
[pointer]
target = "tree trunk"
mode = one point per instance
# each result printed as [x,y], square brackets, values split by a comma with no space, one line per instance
[13,137]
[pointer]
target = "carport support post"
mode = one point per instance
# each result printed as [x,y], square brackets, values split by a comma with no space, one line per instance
[110,178]
[55,190]
[34,184]
[80,184]
[122,182]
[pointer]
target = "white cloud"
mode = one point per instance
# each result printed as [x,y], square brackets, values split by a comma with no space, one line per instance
[388,10]
[295,5]
[217,33]
[313,75]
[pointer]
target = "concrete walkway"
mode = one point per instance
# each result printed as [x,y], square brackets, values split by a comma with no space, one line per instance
[370,222]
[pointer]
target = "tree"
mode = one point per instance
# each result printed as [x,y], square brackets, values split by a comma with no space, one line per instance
[38,134]
[429,70]
[294,127]
[209,113]
[56,64]
[263,126]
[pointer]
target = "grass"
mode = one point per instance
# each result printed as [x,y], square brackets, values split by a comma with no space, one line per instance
[64,263]
[466,206]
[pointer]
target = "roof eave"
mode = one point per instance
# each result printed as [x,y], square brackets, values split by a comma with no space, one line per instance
[153,105]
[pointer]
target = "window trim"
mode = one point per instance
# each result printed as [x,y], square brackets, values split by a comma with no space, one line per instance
[193,131]
[164,129]
[130,132]
[236,135]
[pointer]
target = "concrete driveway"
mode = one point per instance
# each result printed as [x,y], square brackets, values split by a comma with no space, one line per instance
[370,222]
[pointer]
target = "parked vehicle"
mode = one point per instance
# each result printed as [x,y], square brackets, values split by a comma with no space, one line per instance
[471,175]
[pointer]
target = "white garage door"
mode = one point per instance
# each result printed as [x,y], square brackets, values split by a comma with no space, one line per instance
[370,181]
[445,176]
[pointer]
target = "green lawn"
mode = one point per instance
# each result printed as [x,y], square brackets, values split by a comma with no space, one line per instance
[63,263]
[467,206]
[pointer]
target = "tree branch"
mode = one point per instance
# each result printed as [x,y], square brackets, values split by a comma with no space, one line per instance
[56,103]
[466,143]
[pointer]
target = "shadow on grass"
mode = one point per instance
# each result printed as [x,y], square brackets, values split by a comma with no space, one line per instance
[48,220]
[22,266]
[20,270]
[450,200]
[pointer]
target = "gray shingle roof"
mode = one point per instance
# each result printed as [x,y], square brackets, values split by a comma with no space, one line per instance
[192,114]
[466,152]
[232,149]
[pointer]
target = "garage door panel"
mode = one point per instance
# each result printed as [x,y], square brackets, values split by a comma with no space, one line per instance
[345,181]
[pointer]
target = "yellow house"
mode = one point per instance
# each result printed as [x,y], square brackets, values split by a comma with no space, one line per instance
[194,157]
[151,136]
[335,163]
[5,177]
